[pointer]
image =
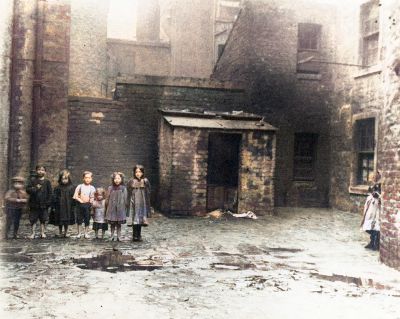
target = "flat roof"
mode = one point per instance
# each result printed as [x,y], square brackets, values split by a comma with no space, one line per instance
[219,123]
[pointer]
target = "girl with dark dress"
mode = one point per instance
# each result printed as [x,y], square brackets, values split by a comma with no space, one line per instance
[62,214]
[139,201]
[116,204]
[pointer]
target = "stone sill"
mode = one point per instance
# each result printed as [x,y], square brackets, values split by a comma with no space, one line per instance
[374,69]
[359,189]
[310,77]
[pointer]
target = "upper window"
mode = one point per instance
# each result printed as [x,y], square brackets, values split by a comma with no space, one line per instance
[305,146]
[370,33]
[308,47]
[365,148]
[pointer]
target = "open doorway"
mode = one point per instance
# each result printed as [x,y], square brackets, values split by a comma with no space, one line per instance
[223,171]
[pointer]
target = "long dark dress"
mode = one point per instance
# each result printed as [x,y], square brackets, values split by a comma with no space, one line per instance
[116,204]
[139,208]
[63,206]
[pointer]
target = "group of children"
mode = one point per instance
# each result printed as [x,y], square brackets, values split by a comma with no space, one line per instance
[67,204]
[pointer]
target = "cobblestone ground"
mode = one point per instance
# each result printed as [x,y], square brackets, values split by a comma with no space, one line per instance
[302,263]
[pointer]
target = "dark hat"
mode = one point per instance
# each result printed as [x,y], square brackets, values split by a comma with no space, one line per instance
[18,179]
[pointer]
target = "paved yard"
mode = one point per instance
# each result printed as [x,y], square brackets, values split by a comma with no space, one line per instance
[302,263]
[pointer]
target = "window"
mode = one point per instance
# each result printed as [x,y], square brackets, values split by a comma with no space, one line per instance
[365,147]
[308,48]
[305,146]
[369,33]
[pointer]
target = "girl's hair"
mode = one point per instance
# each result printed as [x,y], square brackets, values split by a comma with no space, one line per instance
[100,191]
[120,174]
[140,168]
[40,166]
[64,173]
[86,173]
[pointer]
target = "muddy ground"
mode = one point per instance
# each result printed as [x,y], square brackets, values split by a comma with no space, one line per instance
[302,263]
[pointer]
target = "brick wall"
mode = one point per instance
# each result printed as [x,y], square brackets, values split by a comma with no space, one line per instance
[6,10]
[262,52]
[88,48]
[358,94]
[21,87]
[390,159]
[127,58]
[184,186]
[188,186]
[53,111]
[106,135]
[256,189]
[192,38]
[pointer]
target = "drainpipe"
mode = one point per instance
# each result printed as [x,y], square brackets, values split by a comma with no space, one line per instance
[37,83]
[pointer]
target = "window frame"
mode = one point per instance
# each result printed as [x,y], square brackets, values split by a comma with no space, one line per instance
[368,35]
[355,186]
[314,51]
[299,157]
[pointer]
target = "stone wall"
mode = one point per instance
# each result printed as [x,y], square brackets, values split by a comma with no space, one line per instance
[106,135]
[390,158]
[188,185]
[256,190]
[262,52]
[6,14]
[88,48]
[184,187]
[358,94]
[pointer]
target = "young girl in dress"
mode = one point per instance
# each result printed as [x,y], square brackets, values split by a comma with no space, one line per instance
[116,204]
[62,204]
[139,201]
[99,212]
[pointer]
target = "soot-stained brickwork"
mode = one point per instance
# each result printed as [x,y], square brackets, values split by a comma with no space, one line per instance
[106,135]
[185,168]
[296,103]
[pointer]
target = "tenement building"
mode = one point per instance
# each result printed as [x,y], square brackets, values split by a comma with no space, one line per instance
[327,77]
[304,94]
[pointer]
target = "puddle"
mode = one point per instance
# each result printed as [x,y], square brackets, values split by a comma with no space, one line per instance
[15,258]
[11,250]
[232,266]
[115,261]
[359,282]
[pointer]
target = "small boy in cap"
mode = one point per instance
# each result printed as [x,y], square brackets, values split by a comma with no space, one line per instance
[16,200]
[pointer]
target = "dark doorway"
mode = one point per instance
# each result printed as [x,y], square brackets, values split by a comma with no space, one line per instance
[223,171]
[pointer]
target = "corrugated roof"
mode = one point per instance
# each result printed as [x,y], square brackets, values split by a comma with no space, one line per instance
[218,123]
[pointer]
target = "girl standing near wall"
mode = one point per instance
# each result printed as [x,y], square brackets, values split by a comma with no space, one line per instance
[116,204]
[62,204]
[139,201]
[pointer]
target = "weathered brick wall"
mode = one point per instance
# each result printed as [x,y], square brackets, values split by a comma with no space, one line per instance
[53,111]
[390,160]
[6,11]
[262,52]
[165,151]
[358,93]
[191,37]
[127,58]
[256,190]
[189,172]
[21,87]
[105,135]
[88,48]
